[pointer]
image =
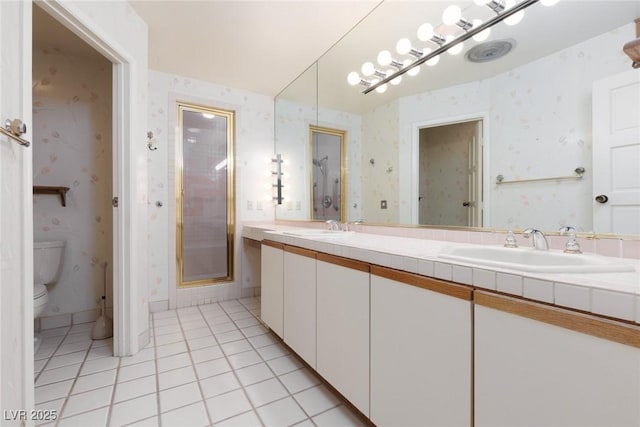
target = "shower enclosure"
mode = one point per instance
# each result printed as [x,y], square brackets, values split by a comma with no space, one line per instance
[327,178]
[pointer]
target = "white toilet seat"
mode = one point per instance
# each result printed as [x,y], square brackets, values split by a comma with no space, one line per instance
[40,298]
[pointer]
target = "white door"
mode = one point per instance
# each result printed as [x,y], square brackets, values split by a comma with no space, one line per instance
[616,154]
[16,217]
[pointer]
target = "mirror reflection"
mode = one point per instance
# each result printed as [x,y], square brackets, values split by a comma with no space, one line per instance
[538,105]
[327,176]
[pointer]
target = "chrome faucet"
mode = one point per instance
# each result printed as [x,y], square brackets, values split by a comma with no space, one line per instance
[333,225]
[572,246]
[345,226]
[538,240]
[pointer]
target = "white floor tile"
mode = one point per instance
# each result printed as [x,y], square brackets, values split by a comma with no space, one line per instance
[73,347]
[137,371]
[66,359]
[305,423]
[284,412]
[241,360]
[241,314]
[51,341]
[45,352]
[93,381]
[169,338]
[254,373]
[87,401]
[49,376]
[82,327]
[188,416]
[173,362]
[56,332]
[135,388]
[198,333]
[172,328]
[179,396]
[285,364]
[97,365]
[212,367]
[202,342]
[340,416]
[147,422]
[208,353]
[76,337]
[103,343]
[236,347]
[176,377]
[263,340]
[248,321]
[98,352]
[170,349]
[317,399]
[227,405]
[141,356]
[97,417]
[221,328]
[273,351]
[52,408]
[248,419]
[53,391]
[171,314]
[194,324]
[38,365]
[220,384]
[133,410]
[266,392]
[299,380]
[253,331]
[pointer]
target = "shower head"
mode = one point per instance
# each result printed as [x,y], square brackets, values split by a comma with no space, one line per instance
[317,162]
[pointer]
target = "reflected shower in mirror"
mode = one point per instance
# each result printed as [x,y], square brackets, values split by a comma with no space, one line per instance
[327,177]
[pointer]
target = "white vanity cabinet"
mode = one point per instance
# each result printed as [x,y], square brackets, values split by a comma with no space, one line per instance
[421,350]
[300,302]
[272,279]
[537,365]
[343,327]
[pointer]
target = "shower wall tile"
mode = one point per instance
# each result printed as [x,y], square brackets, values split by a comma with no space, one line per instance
[72,147]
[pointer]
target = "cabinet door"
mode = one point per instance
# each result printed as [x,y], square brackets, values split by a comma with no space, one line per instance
[420,353]
[532,373]
[300,302]
[272,270]
[343,327]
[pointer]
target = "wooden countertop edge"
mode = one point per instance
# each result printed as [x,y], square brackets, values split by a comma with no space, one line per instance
[273,244]
[428,283]
[344,262]
[300,251]
[584,323]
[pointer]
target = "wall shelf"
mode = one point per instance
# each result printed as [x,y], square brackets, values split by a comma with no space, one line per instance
[60,191]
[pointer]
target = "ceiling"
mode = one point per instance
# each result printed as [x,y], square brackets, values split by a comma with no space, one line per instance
[258,46]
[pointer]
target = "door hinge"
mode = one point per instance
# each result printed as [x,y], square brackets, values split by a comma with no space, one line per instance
[114,202]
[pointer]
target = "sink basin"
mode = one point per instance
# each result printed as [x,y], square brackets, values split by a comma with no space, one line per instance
[315,232]
[532,260]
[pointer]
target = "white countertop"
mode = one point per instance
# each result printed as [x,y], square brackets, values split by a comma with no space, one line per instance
[611,294]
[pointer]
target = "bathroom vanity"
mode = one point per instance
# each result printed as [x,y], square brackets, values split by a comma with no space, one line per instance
[410,338]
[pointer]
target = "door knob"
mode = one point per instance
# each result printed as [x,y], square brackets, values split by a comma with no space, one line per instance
[15,126]
[602,198]
[467,204]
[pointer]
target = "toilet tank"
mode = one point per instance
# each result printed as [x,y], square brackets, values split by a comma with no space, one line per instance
[47,261]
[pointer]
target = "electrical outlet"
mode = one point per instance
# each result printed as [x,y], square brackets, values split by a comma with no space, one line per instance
[298,205]
[249,205]
[259,205]
[383,204]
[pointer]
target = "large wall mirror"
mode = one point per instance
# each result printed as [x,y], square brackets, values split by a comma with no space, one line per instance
[204,195]
[536,105]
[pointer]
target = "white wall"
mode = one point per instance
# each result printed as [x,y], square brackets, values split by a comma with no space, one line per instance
[72,146]
[253,144]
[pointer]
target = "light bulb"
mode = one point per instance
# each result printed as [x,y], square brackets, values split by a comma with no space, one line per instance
[412,72]
[515,18]
[425,32]
[403,46]
[481,2]
[482,35]
[384,58]
[433,61]
[382,88]
[451,15]
[455,49]
[368,69]
[548,2]
[353,78]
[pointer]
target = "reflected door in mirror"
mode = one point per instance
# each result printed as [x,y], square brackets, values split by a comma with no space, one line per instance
[327,178]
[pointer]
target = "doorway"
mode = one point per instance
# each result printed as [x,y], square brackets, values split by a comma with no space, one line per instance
[450,174]
[73,149]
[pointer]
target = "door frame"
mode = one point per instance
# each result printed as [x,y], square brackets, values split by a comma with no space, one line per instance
[483,141]
[125,311]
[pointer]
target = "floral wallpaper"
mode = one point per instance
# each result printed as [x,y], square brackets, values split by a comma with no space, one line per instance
[253,144]
[72,147]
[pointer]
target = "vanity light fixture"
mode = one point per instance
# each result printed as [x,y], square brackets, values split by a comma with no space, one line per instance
[278,174]
[506,10]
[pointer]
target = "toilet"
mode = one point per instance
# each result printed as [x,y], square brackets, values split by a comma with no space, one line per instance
[47,264]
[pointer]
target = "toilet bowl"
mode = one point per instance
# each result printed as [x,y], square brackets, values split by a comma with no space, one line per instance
[47,264]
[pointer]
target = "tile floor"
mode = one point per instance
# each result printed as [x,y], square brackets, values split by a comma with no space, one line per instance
[208,365]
